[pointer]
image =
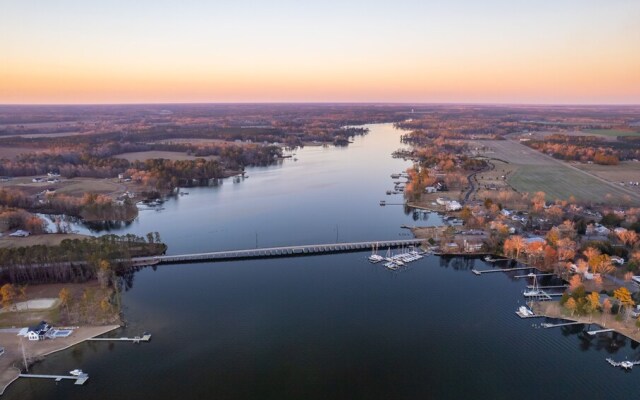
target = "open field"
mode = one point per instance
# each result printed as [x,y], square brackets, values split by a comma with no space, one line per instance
[72,187]
[612,132]
[534,171]
[39,135]
[149,155]
[622,173]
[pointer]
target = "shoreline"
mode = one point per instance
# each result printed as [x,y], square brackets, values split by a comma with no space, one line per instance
[40,349]
[552,309]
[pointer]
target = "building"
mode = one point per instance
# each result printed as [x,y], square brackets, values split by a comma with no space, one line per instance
[19,233]
[39,331]
[453,205]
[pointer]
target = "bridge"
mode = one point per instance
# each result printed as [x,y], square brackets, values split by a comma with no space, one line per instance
[273,252]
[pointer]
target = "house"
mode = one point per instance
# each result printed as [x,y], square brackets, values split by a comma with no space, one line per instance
[472,247]
[39,331]
[453,205]
[617,260]
[534,239]
[19,233]
[430,189]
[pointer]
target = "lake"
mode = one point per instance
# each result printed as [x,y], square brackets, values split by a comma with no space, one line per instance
[330,326]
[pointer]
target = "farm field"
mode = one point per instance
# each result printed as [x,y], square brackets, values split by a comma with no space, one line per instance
[534,171]
[623,172]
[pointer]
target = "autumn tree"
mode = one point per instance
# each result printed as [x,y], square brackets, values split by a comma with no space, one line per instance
[571,305]
[65,297]
[9,294]
[606,308]
[623,295]
[593,302]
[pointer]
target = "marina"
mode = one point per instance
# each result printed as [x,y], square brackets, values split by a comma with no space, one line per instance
[271,252]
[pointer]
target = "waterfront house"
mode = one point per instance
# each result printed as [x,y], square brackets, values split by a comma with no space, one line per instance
[39,331]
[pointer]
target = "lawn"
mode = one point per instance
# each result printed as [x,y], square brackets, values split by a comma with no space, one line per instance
[612,132]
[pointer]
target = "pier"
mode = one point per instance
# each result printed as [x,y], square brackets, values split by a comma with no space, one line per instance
[593,333]
[547,325]
[275,252]
[487,271]
[136,339]
[531,275]
[79,380]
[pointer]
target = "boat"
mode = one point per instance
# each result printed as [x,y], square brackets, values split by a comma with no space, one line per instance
[626,365]
[489,259]
[382,202]
[375,257]
[76,372]
[525,311]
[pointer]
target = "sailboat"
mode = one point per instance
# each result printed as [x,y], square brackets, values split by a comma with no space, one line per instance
[375,257]
[535,291]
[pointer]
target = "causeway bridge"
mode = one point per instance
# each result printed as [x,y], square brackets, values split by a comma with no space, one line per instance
[274,252]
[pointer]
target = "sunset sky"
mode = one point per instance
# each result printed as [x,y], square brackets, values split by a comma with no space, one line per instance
[495,51]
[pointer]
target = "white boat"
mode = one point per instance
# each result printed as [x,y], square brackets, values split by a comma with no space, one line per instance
[76,372]
[375,258]
[489,259]
[525,311]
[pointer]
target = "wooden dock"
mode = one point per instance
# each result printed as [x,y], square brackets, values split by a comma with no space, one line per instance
[531,275]
[276,252]
[136,339]
[595,332]
[79,380]
[487,271]
[546,325]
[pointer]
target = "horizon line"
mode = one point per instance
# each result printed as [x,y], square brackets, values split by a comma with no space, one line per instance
[391,103]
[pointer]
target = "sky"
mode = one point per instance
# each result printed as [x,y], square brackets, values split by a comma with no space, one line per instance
[466,51]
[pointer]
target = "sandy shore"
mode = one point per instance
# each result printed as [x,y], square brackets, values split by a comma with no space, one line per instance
[553,309]
[11,361]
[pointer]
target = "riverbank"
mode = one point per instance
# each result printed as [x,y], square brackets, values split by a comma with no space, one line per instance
[553,309]
[12,359]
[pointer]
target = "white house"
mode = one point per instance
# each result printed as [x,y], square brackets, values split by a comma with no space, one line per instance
[453,205]
[430,189]
[38,332]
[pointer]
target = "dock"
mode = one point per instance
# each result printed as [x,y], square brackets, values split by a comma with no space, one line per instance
[524,316]
[595,332]
[79,380]
[548,287]
[136,339]
[487,271]
[532,275]
[547,325]
[276,252]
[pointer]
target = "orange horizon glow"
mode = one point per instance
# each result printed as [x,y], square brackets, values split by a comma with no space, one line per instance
[504,56]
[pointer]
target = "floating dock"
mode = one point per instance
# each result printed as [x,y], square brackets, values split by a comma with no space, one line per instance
[79,380]
[136,339]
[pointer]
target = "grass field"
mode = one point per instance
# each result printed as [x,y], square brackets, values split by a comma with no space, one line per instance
[612,132]
[148,155]
[623,172]
[534,171]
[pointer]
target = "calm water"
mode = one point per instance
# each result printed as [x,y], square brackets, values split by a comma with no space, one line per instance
[331,326]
